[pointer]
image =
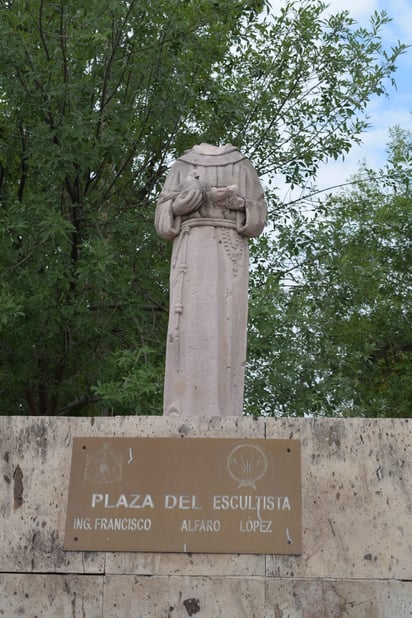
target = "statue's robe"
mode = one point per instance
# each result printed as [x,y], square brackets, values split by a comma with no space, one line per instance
[206,341]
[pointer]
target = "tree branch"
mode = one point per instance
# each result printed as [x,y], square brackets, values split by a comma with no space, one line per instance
[76,404]
[41,31]
[24,164]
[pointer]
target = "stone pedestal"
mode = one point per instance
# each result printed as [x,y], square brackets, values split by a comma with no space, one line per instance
[357,533]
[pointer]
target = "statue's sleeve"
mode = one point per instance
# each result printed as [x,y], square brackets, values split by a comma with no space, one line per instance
[256,211]
[167,224]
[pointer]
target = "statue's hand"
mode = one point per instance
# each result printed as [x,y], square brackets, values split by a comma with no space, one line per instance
[187,202]
[227,197]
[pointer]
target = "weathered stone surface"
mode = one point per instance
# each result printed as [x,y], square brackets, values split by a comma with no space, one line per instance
[357,537]
[186,564]
[357,499]
[180,597]
[51,596]
[125,596]
[287,598]
[35,458]
[35,461]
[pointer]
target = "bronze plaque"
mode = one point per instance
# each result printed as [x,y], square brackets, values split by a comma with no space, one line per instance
[185,495]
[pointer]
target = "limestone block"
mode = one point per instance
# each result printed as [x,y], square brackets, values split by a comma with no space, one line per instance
[202,427]
[35,459]
[356,490]
[186,564]
[357,498]
[51,596]
[287,598]
[180,597]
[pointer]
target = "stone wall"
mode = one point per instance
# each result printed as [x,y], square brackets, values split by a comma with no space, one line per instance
[357,532]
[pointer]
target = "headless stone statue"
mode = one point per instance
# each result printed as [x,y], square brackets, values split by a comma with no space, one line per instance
[212,201]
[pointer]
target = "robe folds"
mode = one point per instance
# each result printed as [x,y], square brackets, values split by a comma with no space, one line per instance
[206,341]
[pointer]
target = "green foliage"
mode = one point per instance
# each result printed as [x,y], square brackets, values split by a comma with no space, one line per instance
[96,99]
[294,90]
[338,337]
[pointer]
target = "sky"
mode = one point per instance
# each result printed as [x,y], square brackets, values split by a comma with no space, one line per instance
[383,112]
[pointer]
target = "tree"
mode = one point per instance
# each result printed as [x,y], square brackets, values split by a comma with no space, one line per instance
[339,338]
[95,101]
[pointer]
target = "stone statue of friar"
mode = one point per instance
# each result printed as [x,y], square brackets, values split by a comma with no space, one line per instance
[211,202]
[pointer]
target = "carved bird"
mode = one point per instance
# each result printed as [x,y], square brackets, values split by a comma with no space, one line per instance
[188,195]
[190,183]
